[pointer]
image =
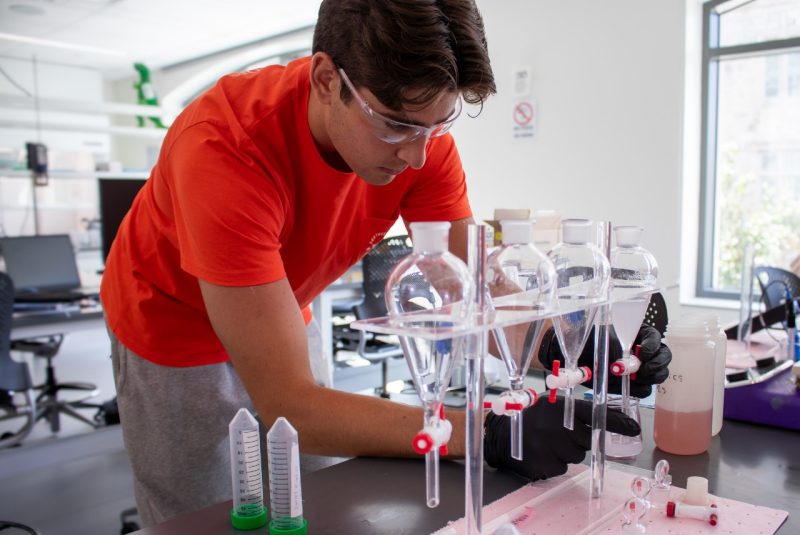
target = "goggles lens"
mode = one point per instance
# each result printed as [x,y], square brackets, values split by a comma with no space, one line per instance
[390,131]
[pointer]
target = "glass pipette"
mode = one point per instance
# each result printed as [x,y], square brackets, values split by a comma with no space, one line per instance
[286,497]
[248,492]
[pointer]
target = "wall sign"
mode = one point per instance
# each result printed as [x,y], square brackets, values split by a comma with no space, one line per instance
[524,119]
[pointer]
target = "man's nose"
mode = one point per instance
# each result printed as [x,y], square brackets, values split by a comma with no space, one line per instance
[413,152]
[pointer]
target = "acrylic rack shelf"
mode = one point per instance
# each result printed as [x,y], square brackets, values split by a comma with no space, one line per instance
[508,310]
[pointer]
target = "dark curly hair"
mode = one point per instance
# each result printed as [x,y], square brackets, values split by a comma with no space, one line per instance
[393,46]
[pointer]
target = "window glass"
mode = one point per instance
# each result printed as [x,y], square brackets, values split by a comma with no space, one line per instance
[757,182]
[758,21]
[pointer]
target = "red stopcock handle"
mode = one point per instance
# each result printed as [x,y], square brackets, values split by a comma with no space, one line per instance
[554,391]
[430,437]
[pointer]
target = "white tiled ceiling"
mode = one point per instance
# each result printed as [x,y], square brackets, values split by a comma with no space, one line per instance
[155,32]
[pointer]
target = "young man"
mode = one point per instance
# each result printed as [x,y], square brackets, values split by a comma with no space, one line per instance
[268,187]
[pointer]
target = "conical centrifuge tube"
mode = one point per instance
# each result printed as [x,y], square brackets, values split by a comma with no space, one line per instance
[520,277]
[633,269]
[583,273]
[286,497]
[431,288]
[248,492]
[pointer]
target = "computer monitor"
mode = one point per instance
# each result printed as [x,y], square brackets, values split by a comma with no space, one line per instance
[116,196]
[41,263]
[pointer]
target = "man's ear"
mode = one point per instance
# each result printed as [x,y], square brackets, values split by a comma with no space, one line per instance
[325,82]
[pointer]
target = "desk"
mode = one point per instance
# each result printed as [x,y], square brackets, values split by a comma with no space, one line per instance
[61,319]
[322,308]
[746,462]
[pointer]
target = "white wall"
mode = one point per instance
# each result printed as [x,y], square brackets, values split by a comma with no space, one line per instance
[608,82]
[54,82]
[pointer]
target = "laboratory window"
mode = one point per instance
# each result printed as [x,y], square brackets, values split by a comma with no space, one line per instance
[750,168]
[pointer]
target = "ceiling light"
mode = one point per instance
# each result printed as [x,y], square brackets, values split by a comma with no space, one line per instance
[61,44]
[25,9]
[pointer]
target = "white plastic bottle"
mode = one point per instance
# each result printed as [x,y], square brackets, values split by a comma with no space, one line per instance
[684,402]
[720,347]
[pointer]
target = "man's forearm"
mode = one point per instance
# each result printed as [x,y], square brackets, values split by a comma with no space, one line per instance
[345,424]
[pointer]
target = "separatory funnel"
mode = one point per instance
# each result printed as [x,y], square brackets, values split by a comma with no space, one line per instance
[431,288]
[583,274]
[633,269]
[519,277]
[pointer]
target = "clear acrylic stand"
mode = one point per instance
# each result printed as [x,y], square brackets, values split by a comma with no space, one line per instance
[434,325]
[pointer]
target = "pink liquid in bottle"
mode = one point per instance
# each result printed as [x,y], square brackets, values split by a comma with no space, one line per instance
[682,433]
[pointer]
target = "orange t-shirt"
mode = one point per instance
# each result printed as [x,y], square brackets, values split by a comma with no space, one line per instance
[240,196]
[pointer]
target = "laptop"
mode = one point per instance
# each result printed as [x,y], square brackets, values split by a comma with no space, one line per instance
[44,269]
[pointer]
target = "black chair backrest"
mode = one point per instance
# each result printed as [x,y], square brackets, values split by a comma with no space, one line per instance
[13,375]
[656,315]
[377,265]
[6,312]
[773,283]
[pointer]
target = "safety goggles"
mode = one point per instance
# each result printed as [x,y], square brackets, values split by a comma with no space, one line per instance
[396,132]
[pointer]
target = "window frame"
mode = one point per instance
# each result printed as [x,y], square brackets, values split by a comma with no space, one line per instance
[712,54]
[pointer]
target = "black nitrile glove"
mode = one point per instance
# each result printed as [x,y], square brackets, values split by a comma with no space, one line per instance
[654,355]
[547,446]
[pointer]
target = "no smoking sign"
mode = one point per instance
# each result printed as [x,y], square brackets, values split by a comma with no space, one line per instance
[524,117]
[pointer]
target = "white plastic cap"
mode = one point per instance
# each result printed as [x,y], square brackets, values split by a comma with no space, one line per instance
[577,231]
[628,236]
[517,231]
[696,491]
[430,237]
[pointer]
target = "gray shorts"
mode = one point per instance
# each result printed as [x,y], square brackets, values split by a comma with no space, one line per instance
[175,428]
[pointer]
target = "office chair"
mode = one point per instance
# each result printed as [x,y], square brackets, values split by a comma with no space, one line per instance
[376,267]
[15,377]
[49,405]
[773,282]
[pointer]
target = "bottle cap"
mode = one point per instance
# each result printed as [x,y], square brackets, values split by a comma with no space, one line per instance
[430,237]
[517,231]
[696,491]
[628,236]
[577,231]
[247,523]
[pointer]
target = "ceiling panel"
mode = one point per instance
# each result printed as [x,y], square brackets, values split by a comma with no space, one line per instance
[157,32]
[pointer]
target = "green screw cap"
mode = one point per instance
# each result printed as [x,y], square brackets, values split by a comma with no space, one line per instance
[249,522]
[302,530]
